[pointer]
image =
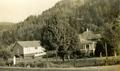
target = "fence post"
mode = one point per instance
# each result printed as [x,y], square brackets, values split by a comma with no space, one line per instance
[74,61]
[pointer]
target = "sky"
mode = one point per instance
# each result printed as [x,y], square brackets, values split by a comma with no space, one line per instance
[18,10]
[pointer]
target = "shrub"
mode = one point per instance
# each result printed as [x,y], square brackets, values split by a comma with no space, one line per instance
[2,63]
[30,64]
[42,64]
[5,54]
[21,64]
[50,54]
[9,63]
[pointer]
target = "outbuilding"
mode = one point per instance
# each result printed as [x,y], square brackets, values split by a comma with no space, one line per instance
[28,49]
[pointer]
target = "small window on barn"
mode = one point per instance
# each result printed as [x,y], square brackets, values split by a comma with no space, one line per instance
[36,47]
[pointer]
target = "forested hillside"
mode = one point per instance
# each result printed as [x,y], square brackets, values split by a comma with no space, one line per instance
[60,26]
[5,25]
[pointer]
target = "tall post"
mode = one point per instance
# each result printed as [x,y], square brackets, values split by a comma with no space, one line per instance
[106,52]
[14,60]
[115,54]
[56,53]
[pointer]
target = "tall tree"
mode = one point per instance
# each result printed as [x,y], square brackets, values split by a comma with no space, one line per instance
[60,37]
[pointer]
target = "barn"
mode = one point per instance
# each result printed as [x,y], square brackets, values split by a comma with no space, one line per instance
[28,49]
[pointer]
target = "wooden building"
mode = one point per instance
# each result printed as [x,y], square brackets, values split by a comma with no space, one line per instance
[88,40]
[28,49]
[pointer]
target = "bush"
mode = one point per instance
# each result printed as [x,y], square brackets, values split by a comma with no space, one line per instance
[9,63]
[5,54]
[21,64]
[2,63]
[73,63]
[109,61]
[5,63]
[42,64]
[50,54]
[30,65]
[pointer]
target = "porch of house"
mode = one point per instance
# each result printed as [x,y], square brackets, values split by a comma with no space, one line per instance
[88,49]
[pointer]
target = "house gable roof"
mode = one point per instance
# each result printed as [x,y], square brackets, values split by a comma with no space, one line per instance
[89,35]
[29,43]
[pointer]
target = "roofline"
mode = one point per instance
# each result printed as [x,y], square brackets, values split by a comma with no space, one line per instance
[17,42]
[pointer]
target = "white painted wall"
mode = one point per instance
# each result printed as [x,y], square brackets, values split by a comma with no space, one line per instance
[30,50]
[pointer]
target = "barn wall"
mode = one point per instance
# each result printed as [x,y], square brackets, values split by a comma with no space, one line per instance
[18,50]
[33,50]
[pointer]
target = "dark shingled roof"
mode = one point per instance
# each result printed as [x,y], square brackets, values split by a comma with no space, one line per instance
[89,35]
[29,43]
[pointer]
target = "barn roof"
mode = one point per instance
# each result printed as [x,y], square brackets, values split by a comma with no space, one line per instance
[29,43]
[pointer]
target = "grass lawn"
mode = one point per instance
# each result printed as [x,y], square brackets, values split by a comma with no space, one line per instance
[62,69]
[99,68]
[52,63]
[44,70]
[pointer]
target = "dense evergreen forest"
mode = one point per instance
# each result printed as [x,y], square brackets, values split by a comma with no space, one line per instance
[5,26]
[59,26]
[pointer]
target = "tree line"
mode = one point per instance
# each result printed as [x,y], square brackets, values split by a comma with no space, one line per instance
[59,27]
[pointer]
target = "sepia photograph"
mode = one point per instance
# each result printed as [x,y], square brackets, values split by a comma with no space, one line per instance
[59,35]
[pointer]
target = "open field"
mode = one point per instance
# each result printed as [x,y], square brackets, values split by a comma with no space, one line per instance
[83,62]
[99,68]
[53,63]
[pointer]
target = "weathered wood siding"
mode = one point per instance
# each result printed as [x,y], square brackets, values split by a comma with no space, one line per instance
[17,50]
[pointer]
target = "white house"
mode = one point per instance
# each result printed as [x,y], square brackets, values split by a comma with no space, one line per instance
[88,40]
[28,49]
